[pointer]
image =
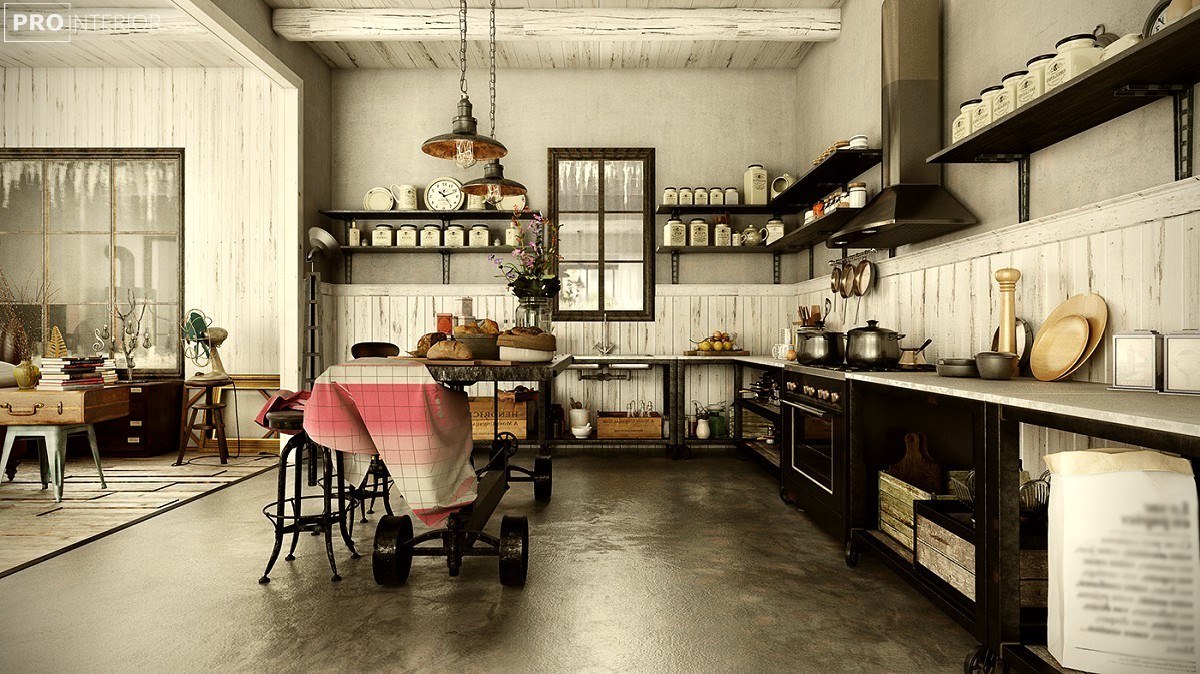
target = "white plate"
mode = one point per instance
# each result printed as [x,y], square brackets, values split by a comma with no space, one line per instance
[525,355]
[378,199]
[509,203]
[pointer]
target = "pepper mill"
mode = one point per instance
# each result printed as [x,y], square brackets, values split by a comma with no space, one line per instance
[1008,309]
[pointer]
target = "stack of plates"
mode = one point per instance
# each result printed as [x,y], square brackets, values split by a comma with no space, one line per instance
[1068,337]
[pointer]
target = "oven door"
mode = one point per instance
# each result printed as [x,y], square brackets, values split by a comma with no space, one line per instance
[814,460]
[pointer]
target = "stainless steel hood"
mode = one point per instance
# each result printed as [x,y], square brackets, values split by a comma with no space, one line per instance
[913,205]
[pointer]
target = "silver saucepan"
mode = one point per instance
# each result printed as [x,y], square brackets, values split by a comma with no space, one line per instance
[873,346]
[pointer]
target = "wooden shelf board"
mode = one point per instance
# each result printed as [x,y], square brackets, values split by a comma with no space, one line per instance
[818,230]
[738,209]
[768,453]
[1170,57]
[424,215]
[427,249]
[767,411]
[839,168]
[712,249]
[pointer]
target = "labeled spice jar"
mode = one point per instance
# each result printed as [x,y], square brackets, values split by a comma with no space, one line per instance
[670,196]
[381,235]
[700,196]
[858,195]
[406,237]
[699,231]
[685,196]
[1033,84]
[478,236]
[961,128]
[774,230]
[674,233]
[722,234]
[455,235]
[431,236]
[1076,54]
[732,198]
[1006,101]
[755,187]
[981,116]
[716,196]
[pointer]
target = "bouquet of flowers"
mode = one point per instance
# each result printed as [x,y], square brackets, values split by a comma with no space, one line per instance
[531,271]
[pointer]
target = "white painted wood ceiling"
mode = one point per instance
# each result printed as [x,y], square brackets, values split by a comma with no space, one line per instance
[562,54]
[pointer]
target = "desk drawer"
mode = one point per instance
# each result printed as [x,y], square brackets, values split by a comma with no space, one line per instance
[38,408]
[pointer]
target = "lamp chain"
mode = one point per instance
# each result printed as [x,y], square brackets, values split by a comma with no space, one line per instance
[492,84]
[462,47]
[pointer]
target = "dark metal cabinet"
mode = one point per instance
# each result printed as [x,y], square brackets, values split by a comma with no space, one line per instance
[152,427]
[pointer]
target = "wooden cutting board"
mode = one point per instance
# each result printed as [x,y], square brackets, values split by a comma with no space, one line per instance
[918,468]
[474,361]
[695,352]
[1059,347]
[1093,308]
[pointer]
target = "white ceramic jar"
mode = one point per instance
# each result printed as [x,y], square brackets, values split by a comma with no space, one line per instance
[685,196]
[716,196]
[455,236]
[699,231]
[670,196]
[858,195]
[478,237]
[512,236]
[431,236]
[700,196]
[732,198]
[1076,54]
[1033,84]
[381,235]
[774,230]
[722,234]
[961,128]
[674,233]
[1006,101]
[476,202]
[755,185]
[981,116]
[406,237]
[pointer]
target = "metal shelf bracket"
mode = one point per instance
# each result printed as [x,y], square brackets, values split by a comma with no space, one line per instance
[445,268]
[674,267]
[1022,161]
[776,267]
[1184,116]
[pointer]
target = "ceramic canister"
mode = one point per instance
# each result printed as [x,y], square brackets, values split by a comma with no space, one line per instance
[455,235]
[381,235]
[722,234]
[699,231]
[406,237]
[756,185]
[674,233]
[700,196]
[431,236]
[732,198]
[1033,84]
[478,236]
[1006,101]
[716,196]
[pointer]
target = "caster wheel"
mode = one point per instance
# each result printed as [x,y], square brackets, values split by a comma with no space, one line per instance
[543,476]
[852,554]
[979,661]
[391,558]
[514,550]
[783,496]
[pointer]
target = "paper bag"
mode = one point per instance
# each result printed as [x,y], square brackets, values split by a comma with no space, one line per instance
[1124,591]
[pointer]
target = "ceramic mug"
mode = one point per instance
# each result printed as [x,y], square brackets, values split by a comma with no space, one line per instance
[476,202]
[405,196]
[579,418]
[781,183]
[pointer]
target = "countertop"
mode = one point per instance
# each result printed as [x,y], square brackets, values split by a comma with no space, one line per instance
[1086,400]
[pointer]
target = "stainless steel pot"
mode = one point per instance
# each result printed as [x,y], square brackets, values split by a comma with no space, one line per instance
[816,346]
[873,346]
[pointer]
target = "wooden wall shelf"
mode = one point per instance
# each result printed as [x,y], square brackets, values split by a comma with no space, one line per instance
[839,168]
[729,250]
[1155,68]
[347,216]
[445,250]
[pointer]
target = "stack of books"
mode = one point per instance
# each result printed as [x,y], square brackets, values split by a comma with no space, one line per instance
[72,374]
[108,371]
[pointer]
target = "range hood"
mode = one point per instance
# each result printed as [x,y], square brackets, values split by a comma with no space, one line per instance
[913,205]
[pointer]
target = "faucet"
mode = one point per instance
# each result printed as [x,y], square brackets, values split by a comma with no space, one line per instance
[605,347]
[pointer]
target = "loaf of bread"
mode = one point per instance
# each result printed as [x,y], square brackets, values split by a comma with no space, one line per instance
[542,341]
[450,349]
[425,342]
[489,327]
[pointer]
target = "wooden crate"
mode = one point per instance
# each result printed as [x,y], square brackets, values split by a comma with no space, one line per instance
[896,508]
[514,418]
[45,408]
[613,425]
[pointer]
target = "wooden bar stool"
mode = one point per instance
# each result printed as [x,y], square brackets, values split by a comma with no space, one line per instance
[211,413]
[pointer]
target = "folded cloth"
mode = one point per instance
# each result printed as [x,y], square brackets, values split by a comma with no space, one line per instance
[421,429]
[281,400]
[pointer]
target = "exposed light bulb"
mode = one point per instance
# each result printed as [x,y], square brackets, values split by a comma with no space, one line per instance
[493,194]
[464,154]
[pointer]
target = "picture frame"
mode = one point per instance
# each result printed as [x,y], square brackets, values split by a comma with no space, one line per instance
[244,399]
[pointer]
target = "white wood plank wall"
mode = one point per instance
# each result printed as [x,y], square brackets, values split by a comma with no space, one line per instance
[1141,252]
[223,119]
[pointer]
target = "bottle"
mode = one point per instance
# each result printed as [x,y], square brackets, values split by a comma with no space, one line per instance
[755,186]
[354,234]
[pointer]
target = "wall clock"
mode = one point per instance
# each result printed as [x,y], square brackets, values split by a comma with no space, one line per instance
[444,194]
[1157,19]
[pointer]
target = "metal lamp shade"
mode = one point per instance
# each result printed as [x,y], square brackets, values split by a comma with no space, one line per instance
[445,146]
[493,175]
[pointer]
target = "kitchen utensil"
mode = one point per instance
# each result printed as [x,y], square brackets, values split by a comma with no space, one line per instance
[835,282]
[917,467]
[819,346]
[964,489]
[1024,342]
[814,314]
[997,365]
[956,367]
[581,432]
[864,274]
[873,346]
[848,280]
[378,199]
[913,357]
[1059,346]
[1095,310]
[1035,496]
[1007,278]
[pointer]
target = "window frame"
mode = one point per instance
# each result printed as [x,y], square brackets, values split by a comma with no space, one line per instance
[603,154]
[52,154]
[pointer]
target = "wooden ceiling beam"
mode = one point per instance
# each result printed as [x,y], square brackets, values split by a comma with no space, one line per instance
[600,24]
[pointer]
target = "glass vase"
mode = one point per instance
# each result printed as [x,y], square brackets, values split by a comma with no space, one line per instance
[533,312]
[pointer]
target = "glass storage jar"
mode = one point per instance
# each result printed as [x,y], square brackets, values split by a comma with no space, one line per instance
[533,312]
[961,127]
[407,236]
[685,196]
[699,231]
[700,196]
[478,237]
[431,236]
[1076,54]
[455,234]
[1006,101]
[381,235]
[1033,84]
[981,116]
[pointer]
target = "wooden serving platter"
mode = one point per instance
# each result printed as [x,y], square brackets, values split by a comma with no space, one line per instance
[463,363]
[695,352]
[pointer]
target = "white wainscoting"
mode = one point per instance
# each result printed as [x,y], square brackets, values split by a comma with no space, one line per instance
[223,119]
[402,313]
[1141,252]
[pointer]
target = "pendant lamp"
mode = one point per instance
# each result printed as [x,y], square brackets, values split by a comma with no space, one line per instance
[493,186]
[463,145]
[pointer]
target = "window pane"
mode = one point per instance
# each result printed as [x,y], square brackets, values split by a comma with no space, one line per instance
[149,265]
[163,322]
[78,324]
[80,195]
[147,195]
[21,262]
[623,287]
[20,196]
[623,186]
[579,237]
[580,287]
[623,237]
[578,185]
[79,267]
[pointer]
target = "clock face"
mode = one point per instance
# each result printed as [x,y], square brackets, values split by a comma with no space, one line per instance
[1157,19]
[444,194]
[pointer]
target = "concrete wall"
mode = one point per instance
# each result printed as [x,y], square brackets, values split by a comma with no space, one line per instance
[838,95]
[705,125]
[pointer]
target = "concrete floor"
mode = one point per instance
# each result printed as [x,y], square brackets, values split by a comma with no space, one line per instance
[639,564]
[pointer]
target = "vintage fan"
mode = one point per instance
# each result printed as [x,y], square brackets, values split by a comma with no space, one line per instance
[202,343]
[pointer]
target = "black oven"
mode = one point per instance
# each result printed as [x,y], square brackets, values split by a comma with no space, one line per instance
[815,444]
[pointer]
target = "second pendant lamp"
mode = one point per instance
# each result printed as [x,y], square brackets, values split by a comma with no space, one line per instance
[463,145]
[493,186]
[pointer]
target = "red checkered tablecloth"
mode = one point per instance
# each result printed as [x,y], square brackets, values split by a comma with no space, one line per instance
[421,429]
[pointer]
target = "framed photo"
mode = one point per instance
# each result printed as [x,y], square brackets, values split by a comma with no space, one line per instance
[243,400]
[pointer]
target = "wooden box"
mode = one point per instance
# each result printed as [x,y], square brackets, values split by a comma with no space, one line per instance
[896,508]
[615,425]
[56,408]
[514,418]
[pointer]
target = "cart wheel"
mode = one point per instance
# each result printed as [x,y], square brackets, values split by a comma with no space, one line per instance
[543,476]
[979,661]
[852,554]
[783,496]
[505,443]
[392,557]
[514,550]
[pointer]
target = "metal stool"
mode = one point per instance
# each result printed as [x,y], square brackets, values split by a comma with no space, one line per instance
[212,417]
[380,487]
[292,422]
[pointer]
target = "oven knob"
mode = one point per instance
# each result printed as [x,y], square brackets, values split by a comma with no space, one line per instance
[823,394]
[833,397]
[808,390]
[791,386]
